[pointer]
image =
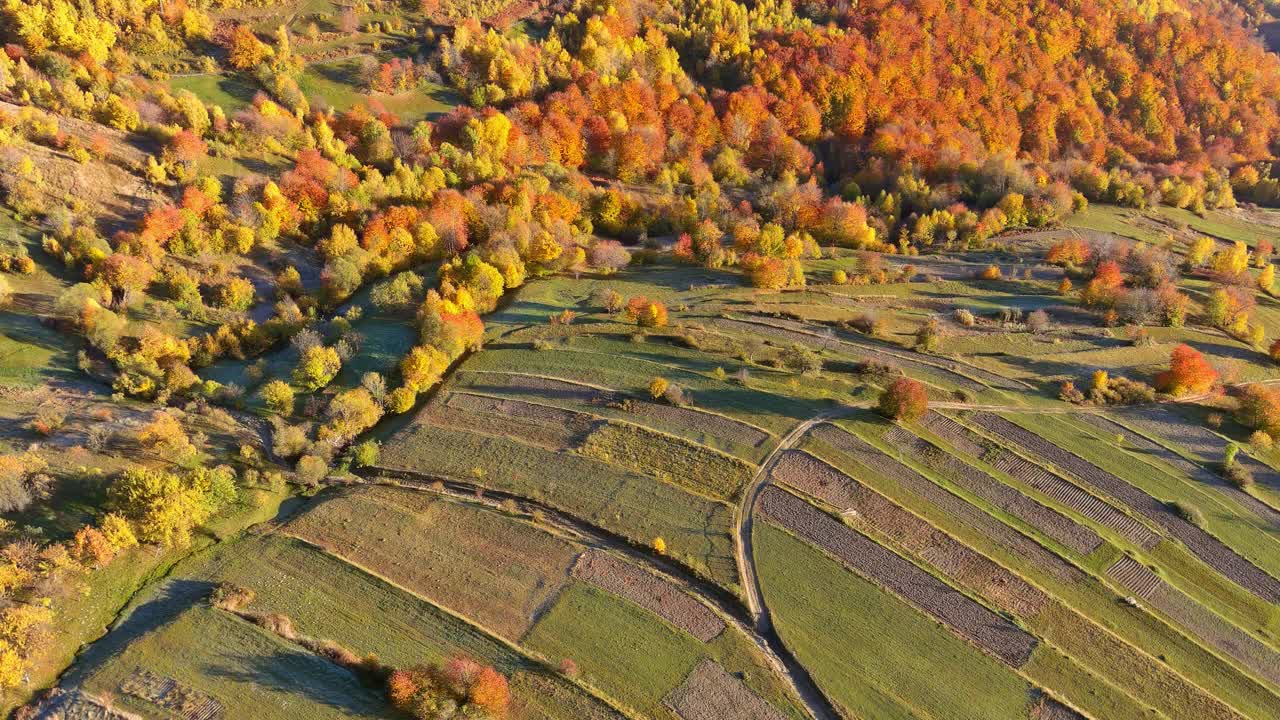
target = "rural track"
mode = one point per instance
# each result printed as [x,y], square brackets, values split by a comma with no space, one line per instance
[766,639]
[815,701]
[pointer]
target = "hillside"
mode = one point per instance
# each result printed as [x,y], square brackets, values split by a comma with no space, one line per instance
[623,359]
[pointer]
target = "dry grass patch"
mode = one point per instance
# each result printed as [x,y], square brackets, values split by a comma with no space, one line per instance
[649,591]
[710,693]
[669,459]
[495,570]
[548,427]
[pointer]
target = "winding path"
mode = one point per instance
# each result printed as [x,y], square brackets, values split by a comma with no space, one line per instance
[818,705]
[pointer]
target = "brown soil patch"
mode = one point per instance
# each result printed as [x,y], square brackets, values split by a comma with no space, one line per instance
[710,693]
[649,591]
[870,458]
[165,692]
[985,629]
[1045,519]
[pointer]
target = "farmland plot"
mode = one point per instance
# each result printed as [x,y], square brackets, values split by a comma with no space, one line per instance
[695,528]
[458,556]
[1202,622]
[872,653]
[984,628]
[869,457]
[637,658]
[988,580]
[710,693]
[1048,521]
[1204,545]
[1065,492]
[648,591]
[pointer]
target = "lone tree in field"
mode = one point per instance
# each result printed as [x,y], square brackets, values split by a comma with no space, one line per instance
[1188,374]
[905,399]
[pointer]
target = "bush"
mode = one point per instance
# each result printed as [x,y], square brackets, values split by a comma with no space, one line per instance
[1259,409]
[658,387]
[869,323]
[1188,512]
[904,399]
[1238,475]
[965,317]
[289,441]
[312,469]
[1188,373]
[928,336]
[278,397]
[365,454]
[609,300]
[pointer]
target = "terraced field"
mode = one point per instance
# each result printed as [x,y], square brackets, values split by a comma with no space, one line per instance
[760,544]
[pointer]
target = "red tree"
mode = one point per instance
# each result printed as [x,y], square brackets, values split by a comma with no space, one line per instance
[905,399]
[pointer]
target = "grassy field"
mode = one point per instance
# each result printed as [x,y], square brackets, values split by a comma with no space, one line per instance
[634,656]
[229,92]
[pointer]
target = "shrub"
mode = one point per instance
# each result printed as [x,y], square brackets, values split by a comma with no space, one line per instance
[1259,409]
[230,597]
[869,323]
[991,272]
[1188,512]
[965,317]
[800,359]
[646,313]
[1238,475]
[462,688]
[317,367]
[401,400]
[289,441]
[904,399]
[1261,439]
[658,387]
[365,454]
[1038,321]
[928,336]
[311,469]
[608,300]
